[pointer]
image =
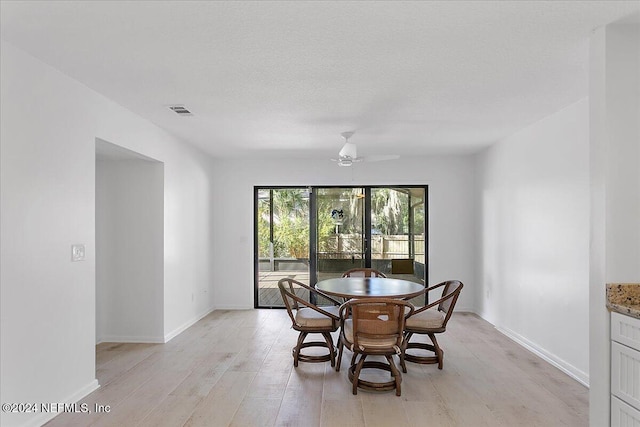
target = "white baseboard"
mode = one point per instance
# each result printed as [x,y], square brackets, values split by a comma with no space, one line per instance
[132,339]
[43,417]
[234,307]
[567,368]
[459,309]
[168,337]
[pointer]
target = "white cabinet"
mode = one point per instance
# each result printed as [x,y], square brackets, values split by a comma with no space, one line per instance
[623,415]
[625,371]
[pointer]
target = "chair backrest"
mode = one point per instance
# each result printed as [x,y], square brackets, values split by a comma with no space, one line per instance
[447,301]
[363,272]
[296,295]
[375,320]
[450,294]
[288,293]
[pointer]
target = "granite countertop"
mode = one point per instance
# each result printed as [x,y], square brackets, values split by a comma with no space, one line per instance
[624,298]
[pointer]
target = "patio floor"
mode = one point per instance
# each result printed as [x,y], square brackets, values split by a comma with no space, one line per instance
[269,294]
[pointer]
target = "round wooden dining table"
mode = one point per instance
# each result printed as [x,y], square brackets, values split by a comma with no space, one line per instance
[369,287]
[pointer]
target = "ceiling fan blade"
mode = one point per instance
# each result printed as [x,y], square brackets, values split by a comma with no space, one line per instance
[381,158]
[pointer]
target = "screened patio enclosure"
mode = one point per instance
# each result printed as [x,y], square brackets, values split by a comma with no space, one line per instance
[315,233]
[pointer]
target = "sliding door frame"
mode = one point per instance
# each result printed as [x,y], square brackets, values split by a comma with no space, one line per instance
[313,235]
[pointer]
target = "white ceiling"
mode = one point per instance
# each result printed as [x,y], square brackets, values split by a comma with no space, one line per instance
[286,78]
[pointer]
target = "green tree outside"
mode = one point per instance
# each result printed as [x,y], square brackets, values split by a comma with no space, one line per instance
[291,219]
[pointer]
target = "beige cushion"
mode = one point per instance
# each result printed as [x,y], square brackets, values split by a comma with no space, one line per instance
[367,342]
[310,318]
[428,319]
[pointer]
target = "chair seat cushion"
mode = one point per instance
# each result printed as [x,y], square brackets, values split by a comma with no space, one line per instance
[371,343]
[428,319]
[308,317]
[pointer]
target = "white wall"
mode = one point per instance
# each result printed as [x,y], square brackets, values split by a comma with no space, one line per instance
[533,247]
[49,124]
[129,250]
[451,213]
[615,190]
[623,154]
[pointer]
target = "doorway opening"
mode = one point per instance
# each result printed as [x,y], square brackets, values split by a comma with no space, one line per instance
[129,246]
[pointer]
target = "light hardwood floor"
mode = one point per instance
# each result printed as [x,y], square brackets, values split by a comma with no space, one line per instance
[234,368]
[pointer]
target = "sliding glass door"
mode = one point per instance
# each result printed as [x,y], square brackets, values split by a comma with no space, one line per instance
[340,242]
[281,247]
[315,233]
[398,233]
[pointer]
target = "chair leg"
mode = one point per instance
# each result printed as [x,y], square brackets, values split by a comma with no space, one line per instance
[403,365]
[296,349]
[331,347]
[339,360]
[396,374]
[405,342]
[438,356]
[353,359]
[439,352]
[356,373]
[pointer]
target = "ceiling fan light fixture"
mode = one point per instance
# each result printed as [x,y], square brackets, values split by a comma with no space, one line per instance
[349,150]
[348,154]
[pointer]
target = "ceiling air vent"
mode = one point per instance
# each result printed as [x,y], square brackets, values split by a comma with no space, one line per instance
[180,110]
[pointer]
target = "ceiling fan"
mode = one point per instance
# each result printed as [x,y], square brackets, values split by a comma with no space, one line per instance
[348,155]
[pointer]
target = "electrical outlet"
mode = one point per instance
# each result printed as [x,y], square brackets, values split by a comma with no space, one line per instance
[77,253]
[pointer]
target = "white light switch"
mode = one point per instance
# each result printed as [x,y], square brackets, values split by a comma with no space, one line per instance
[77,252]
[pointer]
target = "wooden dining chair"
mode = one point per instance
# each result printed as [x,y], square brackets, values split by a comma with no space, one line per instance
[373,326]
[363,272]
[308,318]
[430,320]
